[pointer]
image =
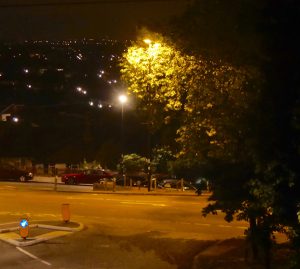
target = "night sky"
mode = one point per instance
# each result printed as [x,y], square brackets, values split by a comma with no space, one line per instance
[117,19]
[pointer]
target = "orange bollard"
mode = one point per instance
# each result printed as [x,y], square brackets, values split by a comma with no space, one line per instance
[24,228]
[66,214]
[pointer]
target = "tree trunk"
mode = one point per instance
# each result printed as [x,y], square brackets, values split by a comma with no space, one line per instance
[252,237]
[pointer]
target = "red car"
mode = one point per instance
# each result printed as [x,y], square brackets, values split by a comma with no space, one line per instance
[88,176]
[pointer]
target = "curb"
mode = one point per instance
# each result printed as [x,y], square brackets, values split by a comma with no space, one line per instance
[126,193]
[7,235]
[134,193]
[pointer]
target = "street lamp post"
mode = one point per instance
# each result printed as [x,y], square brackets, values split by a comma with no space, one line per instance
[122,100]
[151,52]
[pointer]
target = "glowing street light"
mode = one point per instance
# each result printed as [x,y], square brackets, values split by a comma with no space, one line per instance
[122,99]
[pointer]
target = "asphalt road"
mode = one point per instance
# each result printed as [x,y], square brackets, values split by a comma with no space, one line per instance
[121,230]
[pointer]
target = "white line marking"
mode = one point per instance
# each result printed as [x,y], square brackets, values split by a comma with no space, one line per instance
[8,187]
[8,223]
[203,224]
[141,203]
[85,198]
[225,226]
[32,256]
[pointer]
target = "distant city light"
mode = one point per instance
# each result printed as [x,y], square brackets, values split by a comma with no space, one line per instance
[26,71]
[91,103]
[79,89]
[100,105]
[112,81]
[29,86]
[84,92]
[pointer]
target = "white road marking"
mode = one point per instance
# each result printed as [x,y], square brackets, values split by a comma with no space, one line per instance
[203,224]
[8,223]
[225,226]
[46,215]
[85,198]
[4,212]
[141,203]
[242,227]
[32,256]
[8,187]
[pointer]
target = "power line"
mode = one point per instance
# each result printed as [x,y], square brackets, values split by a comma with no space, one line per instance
[89,2]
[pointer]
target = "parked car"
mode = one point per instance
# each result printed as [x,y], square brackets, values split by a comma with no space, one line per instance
[175,184]
[88,176]
[8,172]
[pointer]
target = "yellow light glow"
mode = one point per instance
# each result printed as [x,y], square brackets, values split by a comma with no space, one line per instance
[156,45]
[123,99]
[147,41]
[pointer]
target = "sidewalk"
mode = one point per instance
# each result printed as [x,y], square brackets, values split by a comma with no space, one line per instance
[46,179]
[119,189]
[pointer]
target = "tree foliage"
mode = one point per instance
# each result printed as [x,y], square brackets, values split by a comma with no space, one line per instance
[261,137]
[238,96]
[157,73]
[134,163]
[161,160]
[159,76]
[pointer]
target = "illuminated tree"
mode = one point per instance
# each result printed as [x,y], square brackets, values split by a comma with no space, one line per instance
[158,75]
[217,103]
[211,96]
[134,163]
